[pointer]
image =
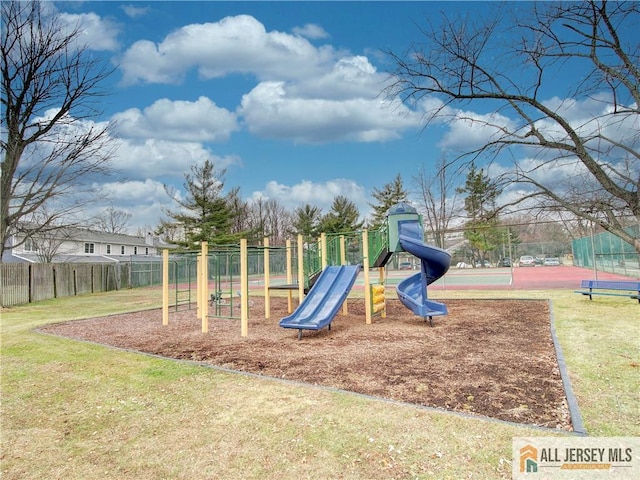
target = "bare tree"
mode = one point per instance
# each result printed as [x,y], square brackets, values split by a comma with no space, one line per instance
[239,211]
[439,200]
[112,220]
[170,232]
[51,149]
[47,244]
[279,221]
[50,243]
[256,220]
[583,160]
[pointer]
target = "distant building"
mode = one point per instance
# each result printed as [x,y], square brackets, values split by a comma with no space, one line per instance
[79,245]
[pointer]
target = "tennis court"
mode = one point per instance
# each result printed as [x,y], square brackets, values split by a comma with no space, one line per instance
[520,278]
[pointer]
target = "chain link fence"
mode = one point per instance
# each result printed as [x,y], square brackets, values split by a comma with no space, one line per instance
[607,253]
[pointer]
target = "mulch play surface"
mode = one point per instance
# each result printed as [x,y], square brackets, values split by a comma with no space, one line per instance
[487,357]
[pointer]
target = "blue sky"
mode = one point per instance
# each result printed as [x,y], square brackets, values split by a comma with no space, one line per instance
[283,95]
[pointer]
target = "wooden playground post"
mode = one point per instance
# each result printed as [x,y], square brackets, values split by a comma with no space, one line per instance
[343,261]
[323,250]
[300,269]
[244,288]
[267,300]
[198,287]
[365,267]
[204,290]
[165,287]
[289,278]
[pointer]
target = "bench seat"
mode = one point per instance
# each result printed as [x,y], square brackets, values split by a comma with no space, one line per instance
[616,288]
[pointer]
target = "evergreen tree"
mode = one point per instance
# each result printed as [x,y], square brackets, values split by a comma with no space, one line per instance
[481,230]
[343,217]
[204,214]
[390,194]
[306,222]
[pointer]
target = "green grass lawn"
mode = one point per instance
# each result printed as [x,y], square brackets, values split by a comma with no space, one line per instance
[75,410]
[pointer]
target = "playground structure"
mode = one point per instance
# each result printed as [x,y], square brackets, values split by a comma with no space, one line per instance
[325,273]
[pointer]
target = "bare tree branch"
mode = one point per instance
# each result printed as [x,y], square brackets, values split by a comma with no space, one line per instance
[463,64]
[51,149]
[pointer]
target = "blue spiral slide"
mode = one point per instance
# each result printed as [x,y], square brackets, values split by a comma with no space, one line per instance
[324,300]
[434,261]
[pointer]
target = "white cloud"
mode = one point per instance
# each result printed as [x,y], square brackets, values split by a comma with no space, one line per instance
[131,194]
[320,194]
[591,117]
[156,158]
[306,94]
[470,130]
[348,77]
[270,112]
[199,121]
[311,30]
[576,110]
[133,11]
[237,44]
[144,200]
[95,32]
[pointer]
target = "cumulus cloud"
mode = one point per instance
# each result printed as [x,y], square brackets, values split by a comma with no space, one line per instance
[199,121]
[320,194]
[270,112]
[305,94]
[145,200]
[154,158]
[95,32]
[348,77]
[237,44]
[469,130]
[135,192]
[592,117]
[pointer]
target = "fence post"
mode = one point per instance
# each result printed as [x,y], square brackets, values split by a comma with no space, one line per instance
[165,287]
[267,280]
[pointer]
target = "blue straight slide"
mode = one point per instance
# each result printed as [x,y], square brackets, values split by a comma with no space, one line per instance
[324,299]
[435,262]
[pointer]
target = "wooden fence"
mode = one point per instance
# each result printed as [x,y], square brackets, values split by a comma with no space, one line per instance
[22,283]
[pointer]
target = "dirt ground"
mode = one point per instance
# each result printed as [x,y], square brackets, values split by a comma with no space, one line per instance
[487,357]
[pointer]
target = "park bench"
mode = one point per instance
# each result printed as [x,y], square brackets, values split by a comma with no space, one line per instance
[612,287]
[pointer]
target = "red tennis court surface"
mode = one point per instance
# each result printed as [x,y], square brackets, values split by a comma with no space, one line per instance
[524,278]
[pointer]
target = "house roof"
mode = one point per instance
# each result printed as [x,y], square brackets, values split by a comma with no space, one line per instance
[8,257]
[87,235]
[112,238]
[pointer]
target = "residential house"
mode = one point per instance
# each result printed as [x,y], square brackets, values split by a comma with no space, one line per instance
[80,245]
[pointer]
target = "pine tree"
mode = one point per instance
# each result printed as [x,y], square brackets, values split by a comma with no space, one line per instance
[343,217]
[481,230]
[307,222]
[205,214]
[391,194]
